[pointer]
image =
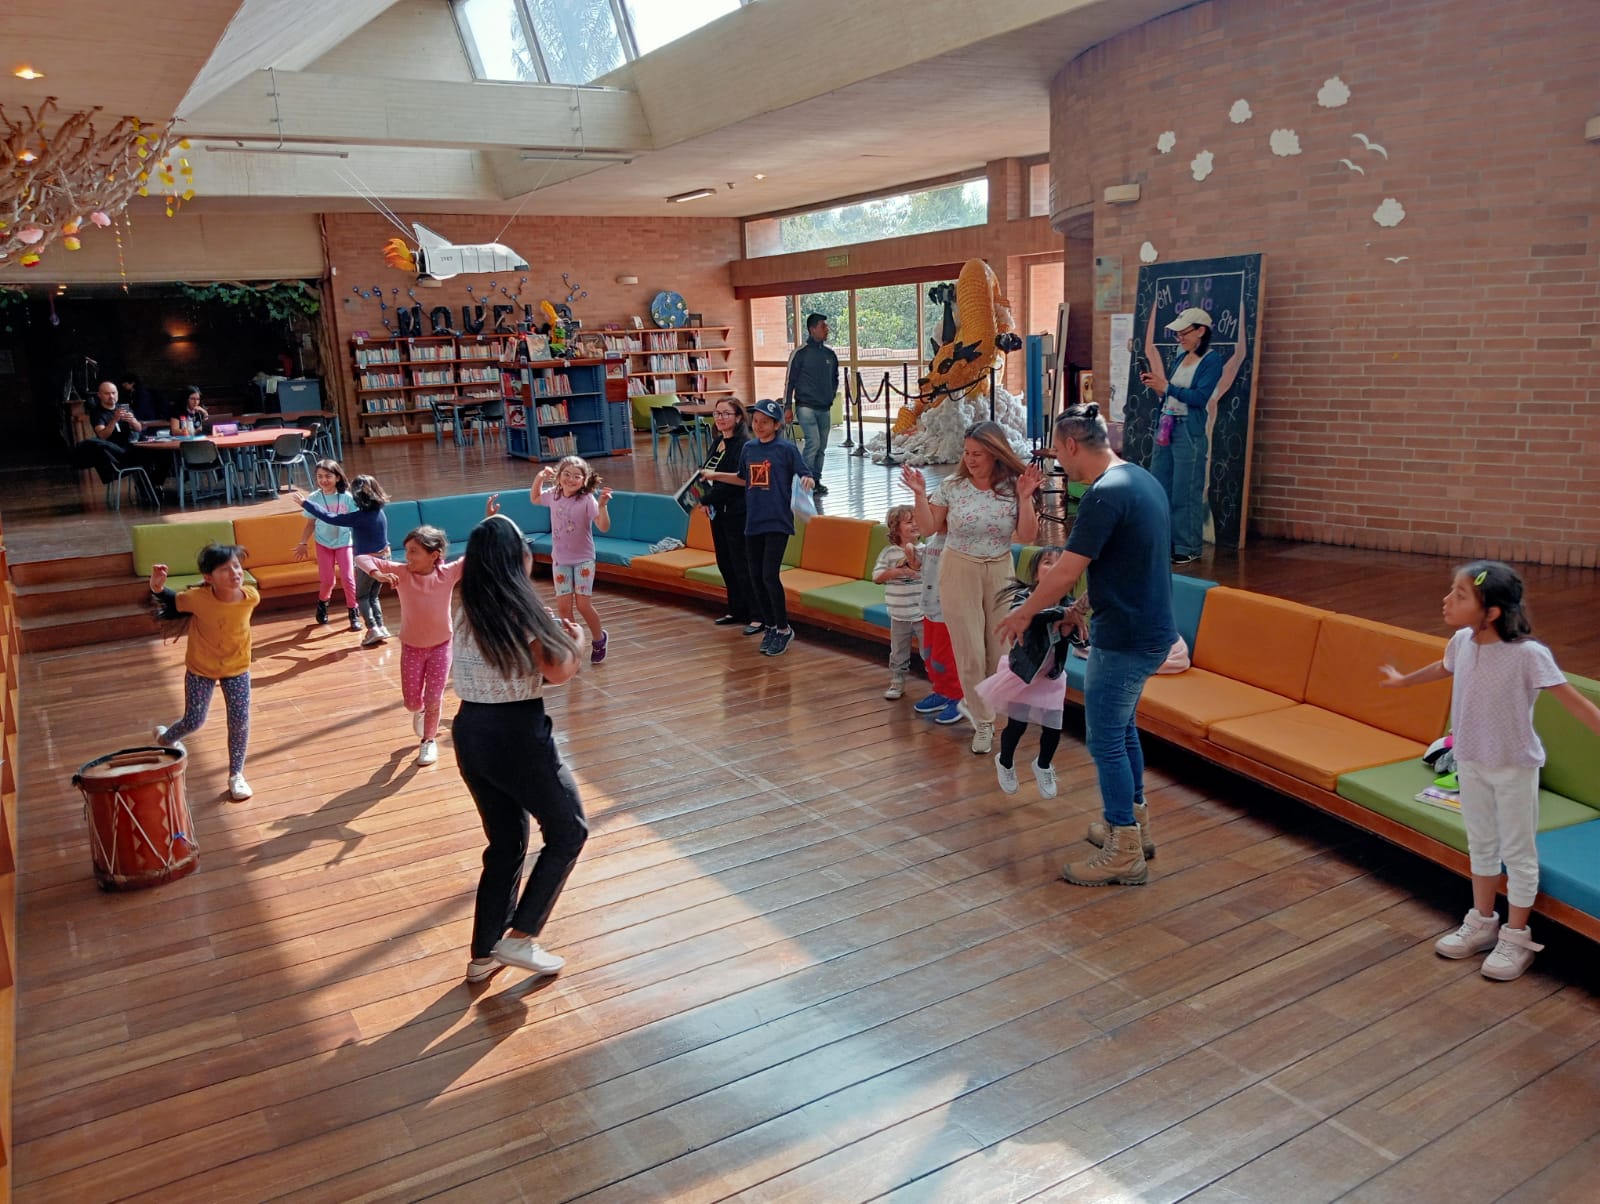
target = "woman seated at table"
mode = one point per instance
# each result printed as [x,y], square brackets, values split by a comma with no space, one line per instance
[192,411]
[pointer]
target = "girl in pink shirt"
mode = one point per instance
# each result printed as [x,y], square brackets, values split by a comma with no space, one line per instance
[577,506]
[425,581]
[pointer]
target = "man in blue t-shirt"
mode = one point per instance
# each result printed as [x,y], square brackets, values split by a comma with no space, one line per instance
[1124,528]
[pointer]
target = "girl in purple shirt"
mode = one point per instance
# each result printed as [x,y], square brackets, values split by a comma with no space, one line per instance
[578,504]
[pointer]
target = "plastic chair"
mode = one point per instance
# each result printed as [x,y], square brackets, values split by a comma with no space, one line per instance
[201,460]
[490,416]
[320,441]
[287,451]
[138,479]
[668,421]
[106,461]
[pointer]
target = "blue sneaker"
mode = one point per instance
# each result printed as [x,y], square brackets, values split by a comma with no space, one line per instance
[932,704]
[950,714]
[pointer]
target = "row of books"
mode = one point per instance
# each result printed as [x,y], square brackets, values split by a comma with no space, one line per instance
[623,343]
[478,376]
[383,405]
[557,413]
[550,385]
[377,355]
[554,447]
[382,380]
[432,376]
[432,351]
[668,363]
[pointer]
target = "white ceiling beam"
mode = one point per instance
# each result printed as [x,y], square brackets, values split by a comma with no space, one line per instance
[411,112]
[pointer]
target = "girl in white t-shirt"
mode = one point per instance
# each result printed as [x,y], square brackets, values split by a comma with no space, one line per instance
[1498,674]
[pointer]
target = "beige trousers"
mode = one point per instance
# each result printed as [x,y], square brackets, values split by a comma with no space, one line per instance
[967,589]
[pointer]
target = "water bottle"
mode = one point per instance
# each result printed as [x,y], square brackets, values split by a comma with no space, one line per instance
[1164,430]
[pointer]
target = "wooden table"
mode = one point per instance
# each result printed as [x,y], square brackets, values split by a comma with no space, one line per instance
[331,417]
[244,443]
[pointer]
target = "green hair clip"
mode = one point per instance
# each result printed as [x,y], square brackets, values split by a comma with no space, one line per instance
[1481,577]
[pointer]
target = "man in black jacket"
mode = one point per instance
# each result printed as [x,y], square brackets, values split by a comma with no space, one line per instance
[809,391]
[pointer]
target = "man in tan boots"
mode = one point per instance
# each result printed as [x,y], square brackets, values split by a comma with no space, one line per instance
[1123,528]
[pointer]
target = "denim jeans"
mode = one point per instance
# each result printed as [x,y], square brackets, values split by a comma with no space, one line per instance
[814,426]
[1181,468]
[1112,684]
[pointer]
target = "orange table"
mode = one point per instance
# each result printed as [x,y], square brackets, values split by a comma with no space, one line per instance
[244,441]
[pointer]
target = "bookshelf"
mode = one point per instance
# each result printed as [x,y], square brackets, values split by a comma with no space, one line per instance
[400,381]
[558,408]
[691,361]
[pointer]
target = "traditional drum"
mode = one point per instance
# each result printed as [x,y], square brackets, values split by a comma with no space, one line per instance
[140,830]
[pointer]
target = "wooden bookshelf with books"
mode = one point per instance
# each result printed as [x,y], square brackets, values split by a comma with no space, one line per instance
[558,408]
[401,383]
[691,361]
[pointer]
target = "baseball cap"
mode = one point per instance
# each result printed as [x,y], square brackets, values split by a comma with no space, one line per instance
[1190,317]
[768,407]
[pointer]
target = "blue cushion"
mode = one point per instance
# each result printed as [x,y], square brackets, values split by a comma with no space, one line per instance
[608,550]
[877,614]
[1569,866]
[1077,667]
[543,544]
[621,511]
[403,518]
[516,505]
[456,515]
[655,516]
[1188,600]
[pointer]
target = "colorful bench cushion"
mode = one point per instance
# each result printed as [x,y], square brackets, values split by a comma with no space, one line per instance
[455,515]
[851,599]
[516,505]
[1188,603]
[176,545]
[1344,677]
[1391,790]
[1567,861]
[670,566]
[269,541]
[649,518]
[837,547]
[802,581]
[403,518]
[1196,699]
[1572,751]
[1310,743]
[1264,642]
[700,531]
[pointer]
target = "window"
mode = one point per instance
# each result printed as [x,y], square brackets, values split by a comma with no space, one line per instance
[1039,189]
[657,22]
[947,207]
[497,40]
[578,38]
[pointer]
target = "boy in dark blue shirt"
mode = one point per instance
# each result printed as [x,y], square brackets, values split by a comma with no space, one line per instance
[768,468]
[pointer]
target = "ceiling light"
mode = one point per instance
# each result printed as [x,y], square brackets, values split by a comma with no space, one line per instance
[576,156]
[27,73]
[761,175]
[692,196]
[276,150]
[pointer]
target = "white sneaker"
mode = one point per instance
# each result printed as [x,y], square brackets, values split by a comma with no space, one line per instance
[897,687]
[1007,776]
[384,632]
[524,953]
[238,788]
[428,752]
[1045,776]
[1512,955]
[175,745]
[479,969]
[982,738]
[372,639]
[416,723]
[1476,934]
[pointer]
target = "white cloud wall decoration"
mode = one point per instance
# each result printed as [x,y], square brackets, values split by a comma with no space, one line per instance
[1147,252]
[1240,112]
[1284,142]
[1201,164]
[1390,213]
[1334,93]
[1166,142]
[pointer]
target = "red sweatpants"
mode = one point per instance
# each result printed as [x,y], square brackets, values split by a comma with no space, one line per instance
[940,659]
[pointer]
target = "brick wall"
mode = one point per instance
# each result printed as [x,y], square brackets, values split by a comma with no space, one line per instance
[1444,404]
[687,255]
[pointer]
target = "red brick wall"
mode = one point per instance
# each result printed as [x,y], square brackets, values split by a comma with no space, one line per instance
[687,255]
[1444,404]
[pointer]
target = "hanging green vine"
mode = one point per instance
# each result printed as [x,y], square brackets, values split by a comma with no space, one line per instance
[12,296]
[277,301]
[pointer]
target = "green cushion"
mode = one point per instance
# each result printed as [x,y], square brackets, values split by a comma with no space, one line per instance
[849,600]
[1391,790]
[876,543]
[708,574]
[1571,750]
[796,545]
[176,545]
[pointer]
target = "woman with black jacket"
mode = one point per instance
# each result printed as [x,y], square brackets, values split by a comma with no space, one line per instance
[725,507]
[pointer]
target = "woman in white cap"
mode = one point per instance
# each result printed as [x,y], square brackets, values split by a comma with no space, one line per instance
[1179,458]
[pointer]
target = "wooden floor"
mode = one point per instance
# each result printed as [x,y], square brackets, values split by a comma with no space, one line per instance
[813,954]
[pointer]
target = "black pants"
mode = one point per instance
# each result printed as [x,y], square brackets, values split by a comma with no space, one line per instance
[733,562]
[1049,738]
[766,562]
[508,759]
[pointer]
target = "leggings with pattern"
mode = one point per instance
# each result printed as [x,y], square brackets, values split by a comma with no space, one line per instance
[197,704]
[423,672]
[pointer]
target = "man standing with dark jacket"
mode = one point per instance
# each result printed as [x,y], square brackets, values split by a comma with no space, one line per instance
[809,391]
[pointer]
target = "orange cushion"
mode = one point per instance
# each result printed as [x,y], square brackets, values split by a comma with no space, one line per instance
[670,566]
[270,538]
[1312,744]
[1261,641]
[800,581]
[274,577]
[837,546]
[700,530]
[1194,699]
[1344,677]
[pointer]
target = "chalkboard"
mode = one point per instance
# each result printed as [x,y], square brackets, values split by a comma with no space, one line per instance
[1229,289]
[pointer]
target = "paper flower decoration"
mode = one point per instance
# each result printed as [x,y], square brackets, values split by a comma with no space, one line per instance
[1147,252]
[30,260]
[1201,164]
[71,243]
[1284,143]
[28,235]
[1390,213]
[1240,113]
[1334,93]
[100,219]
[1166,142]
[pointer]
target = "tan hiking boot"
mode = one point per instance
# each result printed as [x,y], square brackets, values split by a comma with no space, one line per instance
[1141,814]
[1120,861]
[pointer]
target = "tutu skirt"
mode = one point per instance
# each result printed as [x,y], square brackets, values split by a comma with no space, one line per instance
[1038,701]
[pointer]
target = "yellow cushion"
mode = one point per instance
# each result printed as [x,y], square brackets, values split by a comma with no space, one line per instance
[270,539]
[1194,699]
[274,577]
[837,546]
[670,566]
[1261,641]
[700,530]
[1344,677]
[1312,744]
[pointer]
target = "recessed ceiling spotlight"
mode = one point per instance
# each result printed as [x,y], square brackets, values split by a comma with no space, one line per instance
[27,156]
[27,73]
[760,175]
[692,196]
